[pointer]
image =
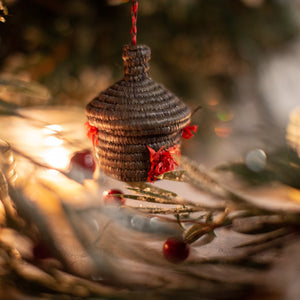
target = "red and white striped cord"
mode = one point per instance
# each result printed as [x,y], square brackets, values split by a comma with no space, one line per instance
[134,9]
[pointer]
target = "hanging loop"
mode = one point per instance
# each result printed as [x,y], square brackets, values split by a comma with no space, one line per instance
[134,9]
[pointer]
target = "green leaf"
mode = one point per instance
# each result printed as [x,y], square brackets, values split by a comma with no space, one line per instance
[173,176]
[167,211]
[153,199]
[155,194]
[145,188]
[196,231]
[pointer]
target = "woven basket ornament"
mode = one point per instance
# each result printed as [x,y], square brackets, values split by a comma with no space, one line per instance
[132,114]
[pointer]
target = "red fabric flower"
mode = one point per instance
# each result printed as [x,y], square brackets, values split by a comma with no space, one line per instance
[189,131]
[92,133]
[162,161]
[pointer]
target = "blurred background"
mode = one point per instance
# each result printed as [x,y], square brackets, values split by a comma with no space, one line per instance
[238,60]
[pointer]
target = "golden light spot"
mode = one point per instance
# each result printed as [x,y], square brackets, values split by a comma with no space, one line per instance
[57,157]
[52,129]
[213,101]
[52,141]
[294,194]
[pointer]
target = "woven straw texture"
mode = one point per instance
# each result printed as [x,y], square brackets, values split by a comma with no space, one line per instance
[133,113]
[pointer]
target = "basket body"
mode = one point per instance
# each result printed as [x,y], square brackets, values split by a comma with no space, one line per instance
[133,113]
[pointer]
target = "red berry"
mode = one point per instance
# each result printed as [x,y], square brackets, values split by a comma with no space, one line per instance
[113,197]
[83,159]
[176,250]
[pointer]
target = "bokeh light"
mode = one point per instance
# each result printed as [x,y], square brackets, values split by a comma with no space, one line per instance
[225,116]
[223,131]
[256,160]
[56,157]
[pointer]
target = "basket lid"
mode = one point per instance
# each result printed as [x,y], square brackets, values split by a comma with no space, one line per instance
[137,105]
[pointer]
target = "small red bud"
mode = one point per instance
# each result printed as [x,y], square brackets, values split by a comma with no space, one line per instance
[113,197]
[176,250]
[83,159]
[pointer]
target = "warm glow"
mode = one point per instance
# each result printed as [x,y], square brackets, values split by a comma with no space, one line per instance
[57,157]
[51,129]
[294,194]
[213,101]
[53,141]
[293,130]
